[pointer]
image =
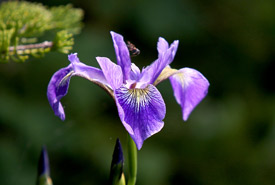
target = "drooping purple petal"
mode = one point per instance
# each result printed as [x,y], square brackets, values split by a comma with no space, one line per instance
[122,54]
[59,83]
[112,72]
[190,87]
[165,57]
[57,88]
[141,111]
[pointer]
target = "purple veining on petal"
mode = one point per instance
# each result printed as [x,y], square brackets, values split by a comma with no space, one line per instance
[112,72]
[122,55]
[190,87]
[141,111]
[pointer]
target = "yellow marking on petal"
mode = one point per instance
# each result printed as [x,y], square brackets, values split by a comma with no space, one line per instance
[183,79]
[63,81]
[138,97]
[180,78]
[166,73]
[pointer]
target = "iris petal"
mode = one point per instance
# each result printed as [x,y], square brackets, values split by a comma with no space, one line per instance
[57,88]
[59,83]
[122,54]
[190,87]
[162,45]
[141,111]
[165,57]
[90,73]
[135,72]
[112,72]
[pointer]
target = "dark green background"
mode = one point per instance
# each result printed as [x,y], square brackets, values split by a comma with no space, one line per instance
[228,139]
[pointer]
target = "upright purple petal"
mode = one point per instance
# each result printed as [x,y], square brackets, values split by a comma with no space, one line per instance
[190,87]
[122,54]
[165,57]
[141,111]
[135,72]
[162,45]
[59,83]
[112,72]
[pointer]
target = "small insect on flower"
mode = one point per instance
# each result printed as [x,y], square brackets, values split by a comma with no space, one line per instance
[132,49]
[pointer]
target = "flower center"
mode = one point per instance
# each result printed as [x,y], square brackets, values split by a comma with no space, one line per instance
[133,85]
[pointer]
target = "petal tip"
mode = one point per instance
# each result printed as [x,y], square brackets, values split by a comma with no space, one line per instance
[185,117]
[161,39]
[176,41]
[114,34]
[59,110]
[139,146]
[73,58]
[62,117]
[138,141]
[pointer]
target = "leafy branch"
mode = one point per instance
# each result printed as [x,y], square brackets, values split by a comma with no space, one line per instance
[24,25]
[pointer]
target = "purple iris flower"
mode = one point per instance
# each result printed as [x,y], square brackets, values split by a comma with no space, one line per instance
[140,105]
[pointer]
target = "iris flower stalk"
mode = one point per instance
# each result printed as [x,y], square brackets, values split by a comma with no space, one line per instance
[140,105]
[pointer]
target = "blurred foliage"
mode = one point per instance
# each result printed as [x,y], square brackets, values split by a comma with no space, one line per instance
[228,139]
[23,23]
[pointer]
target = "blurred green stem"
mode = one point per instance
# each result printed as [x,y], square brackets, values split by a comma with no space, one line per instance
[132,159]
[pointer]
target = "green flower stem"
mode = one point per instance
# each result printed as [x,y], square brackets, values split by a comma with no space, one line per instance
[132,159]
